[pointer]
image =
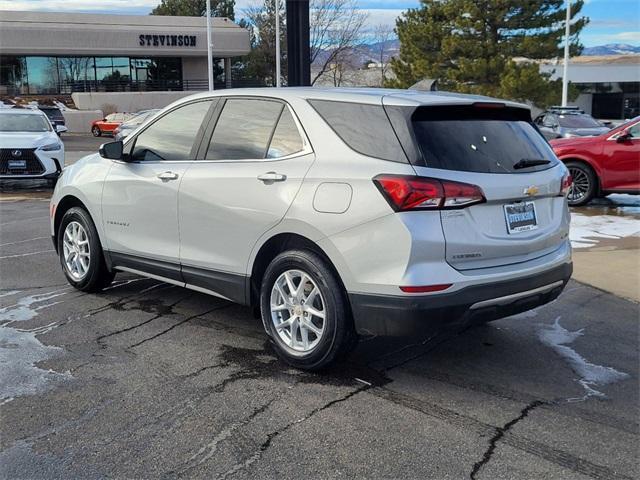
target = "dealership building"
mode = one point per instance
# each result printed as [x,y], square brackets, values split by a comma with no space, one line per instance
[62,53]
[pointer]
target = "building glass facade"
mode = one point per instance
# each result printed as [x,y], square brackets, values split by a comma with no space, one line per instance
[37,75]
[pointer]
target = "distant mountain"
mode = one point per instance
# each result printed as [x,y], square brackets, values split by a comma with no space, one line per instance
[612,49]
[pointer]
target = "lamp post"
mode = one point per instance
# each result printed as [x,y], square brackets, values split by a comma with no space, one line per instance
[209,53]
[565,72]
[278,70]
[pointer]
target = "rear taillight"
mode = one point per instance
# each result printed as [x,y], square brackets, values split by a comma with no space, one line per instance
[405,192]
[565,186]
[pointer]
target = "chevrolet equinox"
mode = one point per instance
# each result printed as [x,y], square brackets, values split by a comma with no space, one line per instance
[334,212]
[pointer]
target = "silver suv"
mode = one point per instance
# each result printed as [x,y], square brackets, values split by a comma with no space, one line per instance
[333,212]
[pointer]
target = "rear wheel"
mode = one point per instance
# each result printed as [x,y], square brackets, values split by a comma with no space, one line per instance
[585,184]
[304,309]
[95,130]
[80,252]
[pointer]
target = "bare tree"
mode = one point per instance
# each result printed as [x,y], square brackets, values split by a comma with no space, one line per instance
[336,26]
[382,34]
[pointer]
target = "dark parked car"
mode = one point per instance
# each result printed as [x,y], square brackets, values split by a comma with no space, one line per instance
[55,116]
[568,122]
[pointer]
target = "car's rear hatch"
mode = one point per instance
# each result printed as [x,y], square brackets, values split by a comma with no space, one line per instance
[498,149]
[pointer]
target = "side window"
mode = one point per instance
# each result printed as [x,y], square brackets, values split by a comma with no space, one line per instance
[364,128]
[286,138]
[171,137]
[635,131]
[244,129]
[111,117]
[549,121]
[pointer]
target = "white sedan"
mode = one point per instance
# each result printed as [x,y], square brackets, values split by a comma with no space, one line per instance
[29,145]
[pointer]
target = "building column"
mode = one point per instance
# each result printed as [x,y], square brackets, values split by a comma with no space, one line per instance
[227,73]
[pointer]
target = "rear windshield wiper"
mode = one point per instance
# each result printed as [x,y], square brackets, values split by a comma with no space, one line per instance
[530,162]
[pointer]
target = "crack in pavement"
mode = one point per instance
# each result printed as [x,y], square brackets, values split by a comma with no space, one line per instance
[499,433]
[188,319]
[208,450]
[161,311]
[270,436]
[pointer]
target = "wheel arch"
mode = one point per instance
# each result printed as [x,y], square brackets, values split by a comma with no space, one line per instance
[67,202]
[272,248]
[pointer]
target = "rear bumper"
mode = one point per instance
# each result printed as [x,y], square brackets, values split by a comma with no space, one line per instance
[406,315]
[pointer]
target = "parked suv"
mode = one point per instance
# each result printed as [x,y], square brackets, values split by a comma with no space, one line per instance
[568,122]
[333,212]
[29,145]
[55,117]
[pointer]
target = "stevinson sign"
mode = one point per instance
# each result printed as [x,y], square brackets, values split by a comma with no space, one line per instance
[167,40]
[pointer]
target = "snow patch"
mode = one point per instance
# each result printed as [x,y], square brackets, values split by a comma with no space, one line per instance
[20,350]
[586,230]
[591,375]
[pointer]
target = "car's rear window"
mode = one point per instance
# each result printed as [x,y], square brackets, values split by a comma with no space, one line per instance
[483,140]
[578,121]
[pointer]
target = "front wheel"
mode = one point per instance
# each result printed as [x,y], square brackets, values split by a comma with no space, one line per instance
[584,186]
[304,310]
[80,252]
[95,130]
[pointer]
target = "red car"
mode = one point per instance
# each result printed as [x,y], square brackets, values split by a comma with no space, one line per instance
[108,124]
[607,163]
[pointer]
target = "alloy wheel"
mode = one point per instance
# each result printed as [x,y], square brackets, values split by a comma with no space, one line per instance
[76,250]
[297,310]
[581,185]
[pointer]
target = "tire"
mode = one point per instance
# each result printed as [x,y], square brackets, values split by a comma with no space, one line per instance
[95,130]
[337,334]
[585,184]
[95,276]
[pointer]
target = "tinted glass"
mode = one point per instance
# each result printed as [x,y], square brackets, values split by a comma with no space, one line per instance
[364,128]
[16,122]
[286,138]
[171,137]
[479,140]
[578,121]
[244,129]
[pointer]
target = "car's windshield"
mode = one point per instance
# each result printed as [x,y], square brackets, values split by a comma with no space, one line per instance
[20,122]
[578,121]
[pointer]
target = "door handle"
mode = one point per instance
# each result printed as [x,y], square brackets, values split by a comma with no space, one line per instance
[166,176]
[271,177]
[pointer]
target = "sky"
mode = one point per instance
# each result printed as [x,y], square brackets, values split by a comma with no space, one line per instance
[612,21]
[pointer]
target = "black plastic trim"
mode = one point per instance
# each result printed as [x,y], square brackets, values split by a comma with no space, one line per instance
[406,315]
[230,285]
[154,267]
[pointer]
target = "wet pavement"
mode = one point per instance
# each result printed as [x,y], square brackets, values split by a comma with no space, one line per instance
[147,380]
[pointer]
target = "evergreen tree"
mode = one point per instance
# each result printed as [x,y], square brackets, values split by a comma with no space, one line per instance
[259,65]
[470,46]
[195,8]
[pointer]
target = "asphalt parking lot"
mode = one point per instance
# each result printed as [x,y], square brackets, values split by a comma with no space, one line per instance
[147,380]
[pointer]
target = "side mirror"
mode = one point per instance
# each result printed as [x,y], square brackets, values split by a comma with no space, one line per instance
[61,129]
[111,150]
[624,136]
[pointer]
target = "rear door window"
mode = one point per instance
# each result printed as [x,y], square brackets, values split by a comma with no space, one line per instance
[244,129]
[483,140]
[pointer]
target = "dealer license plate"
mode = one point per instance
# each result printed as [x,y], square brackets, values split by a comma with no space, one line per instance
[521,217]
[17,164]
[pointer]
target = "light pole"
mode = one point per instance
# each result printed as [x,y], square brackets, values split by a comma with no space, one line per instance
[277,9]
[209,53]
[565,73]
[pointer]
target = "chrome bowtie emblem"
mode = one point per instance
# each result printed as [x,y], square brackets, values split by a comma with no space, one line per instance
[532,190]
[16,153]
